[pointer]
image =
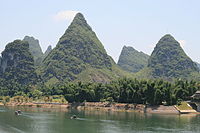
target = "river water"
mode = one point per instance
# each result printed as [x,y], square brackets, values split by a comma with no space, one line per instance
[40,120]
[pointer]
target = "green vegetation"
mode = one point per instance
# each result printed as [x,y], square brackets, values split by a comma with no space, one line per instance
[17,63]
[131,60]
[168,60]
[127,90]
[184,106]
[17,68]
[123,90]
[40,99]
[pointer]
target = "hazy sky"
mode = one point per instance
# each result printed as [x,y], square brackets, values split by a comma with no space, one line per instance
[139,24]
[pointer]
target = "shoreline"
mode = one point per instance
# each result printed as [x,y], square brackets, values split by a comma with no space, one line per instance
[103,106]
[129,108]
[35,105]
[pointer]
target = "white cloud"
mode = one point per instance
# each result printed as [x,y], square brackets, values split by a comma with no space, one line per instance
[182,43]
[65,15]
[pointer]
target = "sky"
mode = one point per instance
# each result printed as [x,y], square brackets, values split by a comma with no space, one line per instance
[136,23]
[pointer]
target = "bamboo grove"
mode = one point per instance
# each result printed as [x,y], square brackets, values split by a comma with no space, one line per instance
[124,90]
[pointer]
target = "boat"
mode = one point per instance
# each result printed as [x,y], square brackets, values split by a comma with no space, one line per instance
[18,112]
[74,117]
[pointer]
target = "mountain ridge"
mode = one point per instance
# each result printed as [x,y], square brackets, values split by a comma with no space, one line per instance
[35,49]
[17,63]
[78,50]
[169,60]
[132,60]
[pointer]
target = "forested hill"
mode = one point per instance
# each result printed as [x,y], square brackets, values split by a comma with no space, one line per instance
[132,60]
[168,60]
[78,55]
[17,64]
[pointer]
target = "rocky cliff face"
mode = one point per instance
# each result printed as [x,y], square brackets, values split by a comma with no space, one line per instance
[17,63]
[35,49]
[169,60]
[132,60]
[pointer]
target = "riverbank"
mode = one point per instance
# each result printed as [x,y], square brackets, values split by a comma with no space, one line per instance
[36,105]
[101,106]
[161,109]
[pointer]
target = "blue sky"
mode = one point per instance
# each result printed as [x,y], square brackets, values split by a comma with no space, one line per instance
[139,24]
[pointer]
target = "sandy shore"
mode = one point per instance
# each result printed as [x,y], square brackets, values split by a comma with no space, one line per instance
[104,106]
[42,105]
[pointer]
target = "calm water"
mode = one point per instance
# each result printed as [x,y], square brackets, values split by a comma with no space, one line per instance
[40,120]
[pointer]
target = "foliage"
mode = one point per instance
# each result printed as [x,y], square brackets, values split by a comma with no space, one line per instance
[126,90]
[123,90]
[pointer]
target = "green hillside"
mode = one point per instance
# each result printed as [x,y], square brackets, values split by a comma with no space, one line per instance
[168,60]
[17,63]
[79,55]
[132,60]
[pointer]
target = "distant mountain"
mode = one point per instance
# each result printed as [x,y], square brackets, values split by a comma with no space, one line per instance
[35,49]
[79,55]
[17,64]
[198,65]
[48,50]
[132,60]
[168,60]
[0,65]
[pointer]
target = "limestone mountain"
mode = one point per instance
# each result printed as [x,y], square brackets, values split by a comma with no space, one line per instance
[78,55]
[35,49]
[0,61]
[17,63]
[132,60]
[198,65]
[168,60]
[49,48]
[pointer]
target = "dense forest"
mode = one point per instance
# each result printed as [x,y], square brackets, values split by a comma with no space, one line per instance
[124,90]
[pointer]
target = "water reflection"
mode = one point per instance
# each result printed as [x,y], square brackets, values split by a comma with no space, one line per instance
[58,120]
